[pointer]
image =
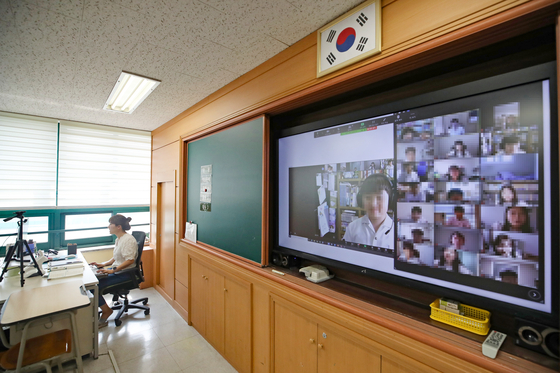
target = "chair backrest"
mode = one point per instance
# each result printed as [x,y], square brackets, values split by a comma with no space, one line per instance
[140,239]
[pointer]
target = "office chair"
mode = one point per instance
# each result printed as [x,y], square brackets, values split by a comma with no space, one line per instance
[121,290]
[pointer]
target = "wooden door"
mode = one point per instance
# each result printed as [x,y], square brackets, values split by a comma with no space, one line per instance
[238,331]
[198,295]
[215,309]
[166,237]
[341,351]
[295,341]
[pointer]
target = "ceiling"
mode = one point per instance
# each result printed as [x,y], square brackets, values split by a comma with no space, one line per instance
[61,58]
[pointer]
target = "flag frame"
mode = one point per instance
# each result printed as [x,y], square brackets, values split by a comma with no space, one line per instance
[323,70]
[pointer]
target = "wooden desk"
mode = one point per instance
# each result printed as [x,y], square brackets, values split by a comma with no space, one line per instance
[28,305]
[87,330]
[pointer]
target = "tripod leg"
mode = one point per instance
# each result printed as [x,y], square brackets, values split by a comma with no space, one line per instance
[40,270]
[7,260]
[20,254]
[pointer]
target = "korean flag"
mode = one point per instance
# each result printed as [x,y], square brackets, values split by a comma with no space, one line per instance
[354,36]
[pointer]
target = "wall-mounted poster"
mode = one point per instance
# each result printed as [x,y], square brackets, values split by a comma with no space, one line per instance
[206,188]
[349,38]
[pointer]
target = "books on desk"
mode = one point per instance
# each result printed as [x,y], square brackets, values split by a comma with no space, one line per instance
[65,268]
[66,272]
[66,263]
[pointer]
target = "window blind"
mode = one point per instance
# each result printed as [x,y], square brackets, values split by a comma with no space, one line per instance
[103,165]
[28,147]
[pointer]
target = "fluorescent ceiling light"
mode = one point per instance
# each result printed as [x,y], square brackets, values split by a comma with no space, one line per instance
[129,92]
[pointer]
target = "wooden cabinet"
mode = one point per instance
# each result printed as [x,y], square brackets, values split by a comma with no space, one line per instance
[207,307]
[338,352]
[295,336]
[302,344]
[402,364]
[220,309]
[237,323]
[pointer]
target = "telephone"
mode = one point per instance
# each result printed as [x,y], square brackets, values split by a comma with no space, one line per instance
[316,273]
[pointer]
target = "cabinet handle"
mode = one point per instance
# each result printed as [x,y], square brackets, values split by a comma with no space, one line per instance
[320,345]
[225,289]
[312,340]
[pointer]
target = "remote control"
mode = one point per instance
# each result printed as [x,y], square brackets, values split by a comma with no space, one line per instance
[493,343]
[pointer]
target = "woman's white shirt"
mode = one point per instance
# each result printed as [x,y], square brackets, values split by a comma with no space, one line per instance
[126,248]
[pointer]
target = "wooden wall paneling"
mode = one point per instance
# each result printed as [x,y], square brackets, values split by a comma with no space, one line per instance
[153,215]
[148,266]
[165,254]
[182,265]
[410,19]
[165,163]
[181,299]
[261,329]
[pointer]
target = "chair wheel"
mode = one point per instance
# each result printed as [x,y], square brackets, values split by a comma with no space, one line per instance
[146,312]
[145,302]
[118,322]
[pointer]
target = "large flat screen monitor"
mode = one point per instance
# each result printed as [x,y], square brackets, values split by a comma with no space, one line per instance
[456,189]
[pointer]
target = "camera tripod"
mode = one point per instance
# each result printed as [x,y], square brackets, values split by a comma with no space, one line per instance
[17,249]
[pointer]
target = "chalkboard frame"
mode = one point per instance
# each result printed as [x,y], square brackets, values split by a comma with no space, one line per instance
[189,139]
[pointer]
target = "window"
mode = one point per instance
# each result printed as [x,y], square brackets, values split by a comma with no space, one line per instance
[85,222]
[111,166]
[56,228]
[9,230]
[140,221]
[28,148]
[47,163]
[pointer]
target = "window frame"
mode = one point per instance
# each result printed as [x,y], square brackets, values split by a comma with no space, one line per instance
[56,223]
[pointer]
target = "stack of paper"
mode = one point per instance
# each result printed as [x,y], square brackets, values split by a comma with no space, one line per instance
[65,268]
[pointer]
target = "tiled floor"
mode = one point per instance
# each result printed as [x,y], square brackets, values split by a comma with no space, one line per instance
[161,342]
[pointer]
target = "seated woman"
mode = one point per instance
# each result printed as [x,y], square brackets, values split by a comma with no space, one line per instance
[124,256]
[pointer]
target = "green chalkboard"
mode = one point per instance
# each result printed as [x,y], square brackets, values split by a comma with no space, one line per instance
[234,222]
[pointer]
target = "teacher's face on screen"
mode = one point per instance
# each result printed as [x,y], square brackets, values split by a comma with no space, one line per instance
[376,204]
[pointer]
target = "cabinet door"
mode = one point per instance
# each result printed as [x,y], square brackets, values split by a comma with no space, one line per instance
[238,332]
[197,303]
[215,310]
[341,351]
[404,365]
[295,341]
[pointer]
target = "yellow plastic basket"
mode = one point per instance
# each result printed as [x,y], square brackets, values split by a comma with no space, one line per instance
[475,320]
